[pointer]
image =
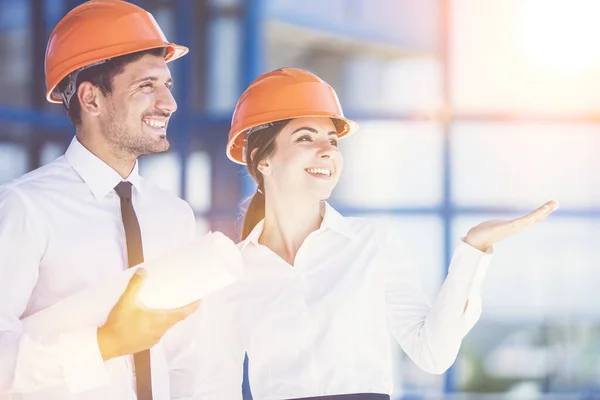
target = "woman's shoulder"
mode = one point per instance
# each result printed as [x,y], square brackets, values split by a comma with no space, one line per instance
[384,230]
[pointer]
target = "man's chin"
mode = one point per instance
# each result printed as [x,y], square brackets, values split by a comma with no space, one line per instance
[159,146]
[162,148]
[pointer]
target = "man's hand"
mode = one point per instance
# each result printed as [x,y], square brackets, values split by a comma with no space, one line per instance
[131,328]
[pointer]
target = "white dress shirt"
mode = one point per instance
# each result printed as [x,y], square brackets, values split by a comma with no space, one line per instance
[322,326]
[61,232]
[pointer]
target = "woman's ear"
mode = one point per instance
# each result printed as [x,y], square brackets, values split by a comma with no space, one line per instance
[264,167]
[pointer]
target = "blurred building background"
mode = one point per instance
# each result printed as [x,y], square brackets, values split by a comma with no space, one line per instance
[469,110]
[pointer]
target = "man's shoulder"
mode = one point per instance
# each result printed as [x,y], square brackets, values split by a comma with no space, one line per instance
[45,176]
[164,197]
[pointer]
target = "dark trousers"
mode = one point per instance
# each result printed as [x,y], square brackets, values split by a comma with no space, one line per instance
[356,396]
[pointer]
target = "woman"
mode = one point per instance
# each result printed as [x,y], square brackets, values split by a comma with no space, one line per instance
[322,292]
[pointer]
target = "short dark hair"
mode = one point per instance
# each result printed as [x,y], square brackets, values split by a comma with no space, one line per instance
[102,76]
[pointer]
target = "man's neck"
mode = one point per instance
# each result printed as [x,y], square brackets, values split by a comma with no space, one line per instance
[122,163]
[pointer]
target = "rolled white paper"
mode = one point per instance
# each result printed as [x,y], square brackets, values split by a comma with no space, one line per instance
[188,274]
[173,279]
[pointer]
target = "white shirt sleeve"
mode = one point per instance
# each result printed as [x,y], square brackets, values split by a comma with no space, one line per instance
[31,362]
[219,352]
[431,335]
[179,341]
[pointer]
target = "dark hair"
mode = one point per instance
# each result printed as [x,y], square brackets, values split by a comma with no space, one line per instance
[102,76]
[264,143]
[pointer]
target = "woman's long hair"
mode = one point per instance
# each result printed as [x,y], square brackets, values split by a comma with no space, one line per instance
[263,141]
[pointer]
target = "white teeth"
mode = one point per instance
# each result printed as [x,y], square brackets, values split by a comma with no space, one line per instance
[155,124]
[321,171]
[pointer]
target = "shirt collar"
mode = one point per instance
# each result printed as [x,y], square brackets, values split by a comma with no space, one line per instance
[98,175]
[331,220]
[336,222]
[254,235]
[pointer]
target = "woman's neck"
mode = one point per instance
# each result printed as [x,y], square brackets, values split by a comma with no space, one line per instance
[288,222]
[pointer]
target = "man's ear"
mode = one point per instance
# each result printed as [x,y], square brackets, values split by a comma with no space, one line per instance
[89,98]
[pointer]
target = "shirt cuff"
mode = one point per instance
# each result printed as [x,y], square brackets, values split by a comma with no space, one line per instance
[82,361]
[469,267]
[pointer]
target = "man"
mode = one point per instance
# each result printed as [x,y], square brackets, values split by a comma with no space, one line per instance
[77,221]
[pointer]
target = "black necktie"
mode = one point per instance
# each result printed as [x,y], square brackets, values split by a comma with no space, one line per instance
[135,256]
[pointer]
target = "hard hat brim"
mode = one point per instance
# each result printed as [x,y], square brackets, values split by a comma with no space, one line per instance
[236,146]
[174,51]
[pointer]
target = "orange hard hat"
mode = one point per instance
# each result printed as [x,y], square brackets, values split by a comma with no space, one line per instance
[96,31]
[283,94]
